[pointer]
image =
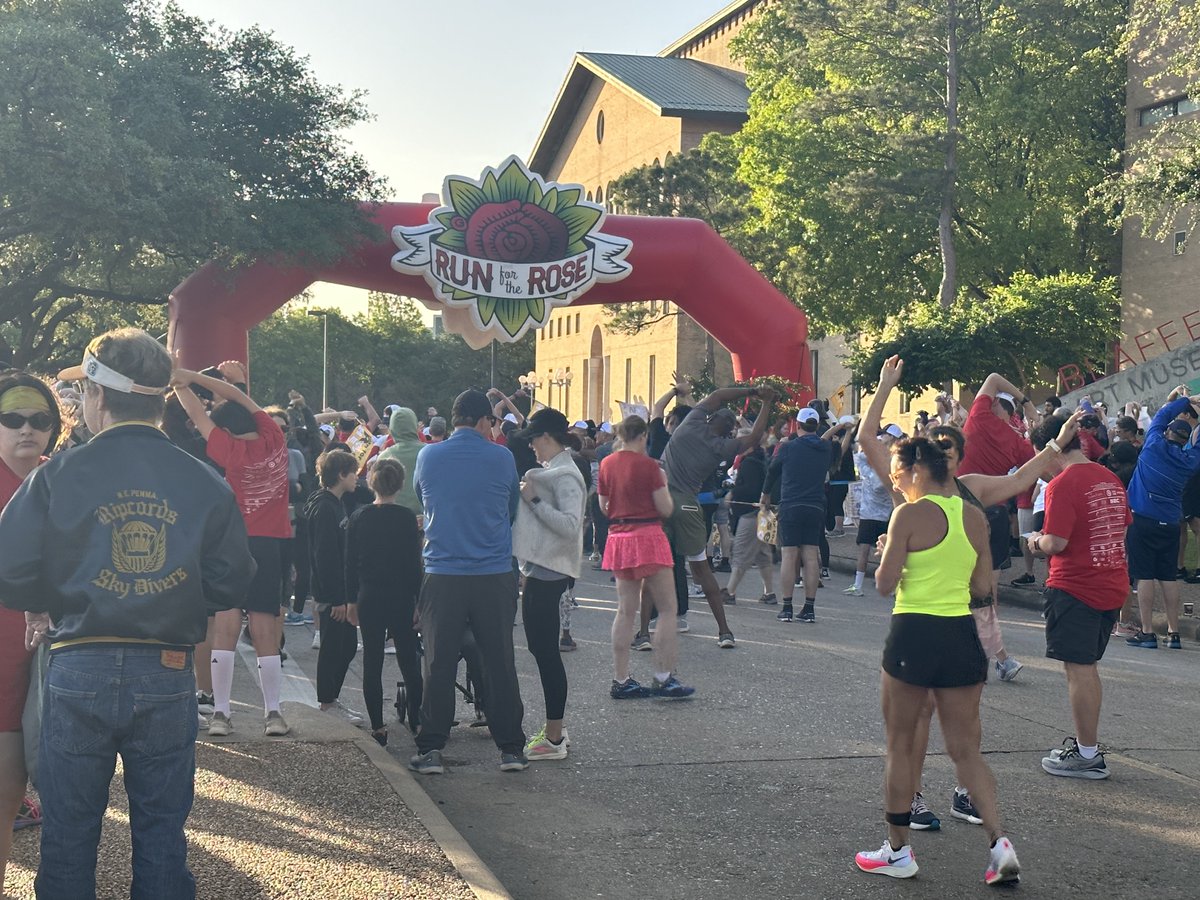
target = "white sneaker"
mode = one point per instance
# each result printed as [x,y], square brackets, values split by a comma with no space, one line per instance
[350,715]
[220,725]
[1008,669]
[853,591]
[886,861]
[696,591]
[274,725]
[316,644]
[682,623]
[1002,863]
[202,724]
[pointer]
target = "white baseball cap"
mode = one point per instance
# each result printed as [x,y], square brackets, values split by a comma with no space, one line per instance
[808,415]
[895,431]
[846,420]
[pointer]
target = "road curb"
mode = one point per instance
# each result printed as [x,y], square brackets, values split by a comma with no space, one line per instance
[474,871]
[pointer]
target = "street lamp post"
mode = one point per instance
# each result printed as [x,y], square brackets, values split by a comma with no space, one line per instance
[563,379]
[530,382]
[324,357]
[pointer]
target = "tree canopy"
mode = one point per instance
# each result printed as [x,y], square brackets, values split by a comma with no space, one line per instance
[845,147]
[137,142]
[386,353]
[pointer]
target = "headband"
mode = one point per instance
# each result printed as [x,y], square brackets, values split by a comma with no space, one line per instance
[95,371]
[23,397]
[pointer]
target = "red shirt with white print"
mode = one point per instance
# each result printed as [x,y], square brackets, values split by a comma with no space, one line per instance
[257,471]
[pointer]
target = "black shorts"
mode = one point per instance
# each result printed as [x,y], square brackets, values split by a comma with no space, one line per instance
[1075,632]
[1039,520]
[934,651]
[801,527]
[1153,549]
[869,531]
[999,536]
[1191,498]
[265,594]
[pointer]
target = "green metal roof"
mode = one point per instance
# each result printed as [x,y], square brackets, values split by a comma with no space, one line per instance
[674,86]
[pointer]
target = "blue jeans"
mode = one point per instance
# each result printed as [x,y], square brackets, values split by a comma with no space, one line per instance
[101,701]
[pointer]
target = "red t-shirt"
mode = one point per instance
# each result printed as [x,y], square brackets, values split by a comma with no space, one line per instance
[14,658]
[992,446]
[629,481]
[257,471]
[1091,447]
[1086,504]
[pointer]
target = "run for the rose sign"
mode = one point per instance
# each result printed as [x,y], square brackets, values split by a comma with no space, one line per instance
[511,247]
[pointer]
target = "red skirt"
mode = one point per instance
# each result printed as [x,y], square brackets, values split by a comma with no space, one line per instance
[14,669]
[638,552]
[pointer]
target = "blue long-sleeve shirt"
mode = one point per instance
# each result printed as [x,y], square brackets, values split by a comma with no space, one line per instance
[469,489]
[1163,469]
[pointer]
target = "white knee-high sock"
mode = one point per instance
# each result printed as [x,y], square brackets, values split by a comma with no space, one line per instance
[270,674]
[222,679]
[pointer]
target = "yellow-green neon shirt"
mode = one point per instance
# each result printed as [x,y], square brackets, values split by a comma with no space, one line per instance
[937,581]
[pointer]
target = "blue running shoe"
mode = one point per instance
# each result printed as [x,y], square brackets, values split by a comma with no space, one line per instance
[672,688]
[293,619]
[785,614]
[1142,639]
[627,690]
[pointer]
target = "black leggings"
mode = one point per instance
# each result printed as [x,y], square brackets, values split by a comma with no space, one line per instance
[539,612]
[381,612]
[339,643]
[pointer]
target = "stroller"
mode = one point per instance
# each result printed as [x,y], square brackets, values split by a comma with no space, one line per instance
[471,687]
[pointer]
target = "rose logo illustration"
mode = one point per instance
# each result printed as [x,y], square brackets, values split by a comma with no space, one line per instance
[511,247]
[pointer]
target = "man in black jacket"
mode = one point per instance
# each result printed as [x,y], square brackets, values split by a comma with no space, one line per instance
[337,637]
[118,552]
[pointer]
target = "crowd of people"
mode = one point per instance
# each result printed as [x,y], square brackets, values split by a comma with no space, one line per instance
[184,514]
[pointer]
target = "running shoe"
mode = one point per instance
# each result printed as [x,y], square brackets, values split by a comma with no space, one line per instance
[541,747]
[722,565]
[293,618]
[672,688]
[727,598]
[886,861]
[725,640]
[681,623]
[853,591]
[566,645]
[961,807]
[836,533]
[768,599]
[807,616]
[352,716]
[513,762]
[201,723]
[824,571]
[1008,669]
[1121,630]
[274,725]
[1173,642]
[594,556]
[204,703]
[1002,863]
[1025,580]
[220,725]
[29,815]
[627,690]
[785,614]
[316,644]
[1069,762]
[696,591]
[922,818]
[641,642]
[429,763]
[1142,639]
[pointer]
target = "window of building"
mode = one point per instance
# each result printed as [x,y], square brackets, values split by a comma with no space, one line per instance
[651,394]
[1180,242]
[814,357]
[654,307]
[560,327]
[567,401]
[600,195]
[1168,109]
[568,325]
[666,307]
[577,323]
[600,127]
[628,380]
[589,195]
[905,402]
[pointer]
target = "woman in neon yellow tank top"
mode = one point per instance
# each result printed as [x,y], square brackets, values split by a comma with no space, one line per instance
[936,554]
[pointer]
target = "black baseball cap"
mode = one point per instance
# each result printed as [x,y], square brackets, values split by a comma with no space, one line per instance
[544,421]
[1181,428]
[471,404]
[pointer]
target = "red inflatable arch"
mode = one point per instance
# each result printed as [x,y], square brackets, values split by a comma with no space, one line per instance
[682,260]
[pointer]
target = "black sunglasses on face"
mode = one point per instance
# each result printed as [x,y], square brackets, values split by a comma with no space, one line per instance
[39,421]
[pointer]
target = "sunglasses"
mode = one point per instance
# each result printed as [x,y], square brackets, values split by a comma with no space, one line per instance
[39,421]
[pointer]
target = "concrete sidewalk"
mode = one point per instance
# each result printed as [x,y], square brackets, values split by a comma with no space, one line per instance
[324,812]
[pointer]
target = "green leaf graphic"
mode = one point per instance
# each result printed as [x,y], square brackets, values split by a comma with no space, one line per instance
[487,309]
[535,193]
[452,240]
[512,313]
[567,199]
[513,183]
[462,295]
[445,218]
[579,221]
[550,201]
[537,309]
[577,247]
[491,188]
[465,197]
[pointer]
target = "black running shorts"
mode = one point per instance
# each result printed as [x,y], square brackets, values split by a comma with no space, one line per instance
[934,651]
[999,536]
[1153,549]
[265,594]
[1075,632]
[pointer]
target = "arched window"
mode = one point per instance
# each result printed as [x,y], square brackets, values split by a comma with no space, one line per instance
[600,195]
[600,127]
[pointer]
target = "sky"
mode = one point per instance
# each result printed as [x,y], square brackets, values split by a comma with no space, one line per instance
[454,85]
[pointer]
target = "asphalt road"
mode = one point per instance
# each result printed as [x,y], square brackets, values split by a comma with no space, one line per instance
[767,781]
